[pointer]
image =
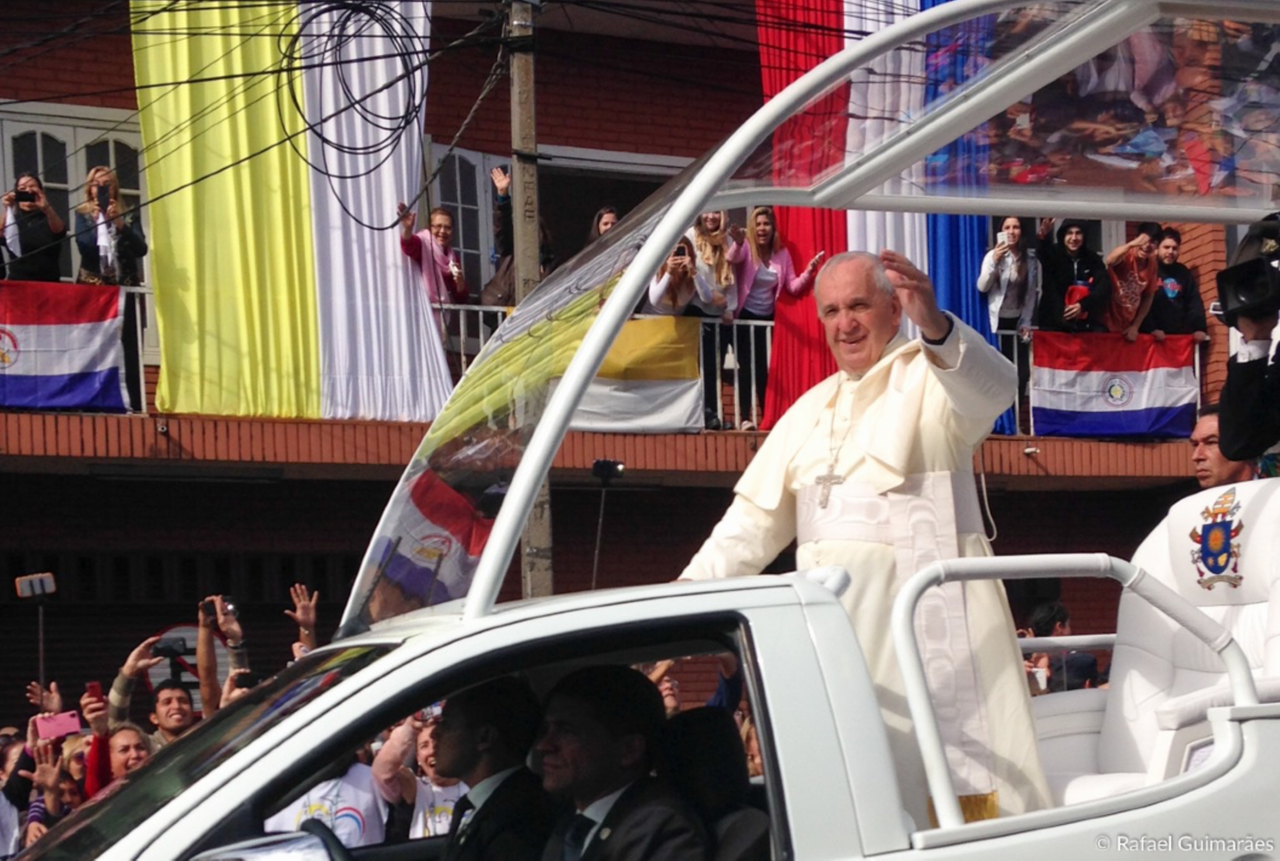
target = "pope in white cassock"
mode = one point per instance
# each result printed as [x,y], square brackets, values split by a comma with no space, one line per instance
[872,469]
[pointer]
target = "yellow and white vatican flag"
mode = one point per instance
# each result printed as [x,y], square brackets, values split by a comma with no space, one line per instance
[649,381]
[271,131]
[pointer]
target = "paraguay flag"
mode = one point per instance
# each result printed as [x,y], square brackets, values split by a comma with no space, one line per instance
[1091,385]
[60,347]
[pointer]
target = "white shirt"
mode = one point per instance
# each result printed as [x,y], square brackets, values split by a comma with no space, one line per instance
[350,805]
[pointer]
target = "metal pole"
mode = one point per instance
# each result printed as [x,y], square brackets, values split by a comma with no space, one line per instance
[535,542]
[595,563]
[40,637]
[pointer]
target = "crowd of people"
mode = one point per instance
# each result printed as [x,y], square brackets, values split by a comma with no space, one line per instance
[63,759]
[431,773]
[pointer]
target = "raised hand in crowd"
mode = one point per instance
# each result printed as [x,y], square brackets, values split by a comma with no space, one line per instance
[737,233]
[812,268]
[501,181]
[94,709]
[408,220]
[207,657]
[140,659]
[1046,225]
[44,776]
[49,700]
[304,611]
[228,621]
[231,690]
[35,830]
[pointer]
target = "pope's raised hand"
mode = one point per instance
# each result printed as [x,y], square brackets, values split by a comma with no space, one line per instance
[915,292]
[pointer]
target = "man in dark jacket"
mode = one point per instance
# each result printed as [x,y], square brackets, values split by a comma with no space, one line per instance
[1177,308]
[482,739]
[1075,286]
[598,746]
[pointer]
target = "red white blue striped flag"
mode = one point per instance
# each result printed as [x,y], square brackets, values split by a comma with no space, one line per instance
[60,346]
[1100,385]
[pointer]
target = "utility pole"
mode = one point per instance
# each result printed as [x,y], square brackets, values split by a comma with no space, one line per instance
[535,544]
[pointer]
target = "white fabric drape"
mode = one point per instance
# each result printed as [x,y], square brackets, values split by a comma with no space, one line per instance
[886,91]
[380,356]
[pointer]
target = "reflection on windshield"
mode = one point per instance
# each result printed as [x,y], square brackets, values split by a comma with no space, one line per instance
[129,801]
[429,542]
[1184,108]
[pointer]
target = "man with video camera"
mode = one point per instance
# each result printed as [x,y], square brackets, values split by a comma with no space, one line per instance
[1249,293]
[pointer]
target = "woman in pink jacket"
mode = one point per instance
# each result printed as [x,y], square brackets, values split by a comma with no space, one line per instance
[762,275]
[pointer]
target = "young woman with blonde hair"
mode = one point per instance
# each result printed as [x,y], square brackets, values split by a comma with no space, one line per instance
[717,247]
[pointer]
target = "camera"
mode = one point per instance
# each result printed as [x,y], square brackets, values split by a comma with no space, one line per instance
[680,251]
[1250,286]
[104,198]
[170,647]
[248,680]
[24,196]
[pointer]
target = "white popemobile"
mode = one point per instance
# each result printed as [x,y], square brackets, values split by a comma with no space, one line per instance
[1178,756]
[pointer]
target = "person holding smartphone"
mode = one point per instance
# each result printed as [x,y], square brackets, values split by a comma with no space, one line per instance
[109,236]
[112,246]
[32,232]
[676,283]
[1010,276]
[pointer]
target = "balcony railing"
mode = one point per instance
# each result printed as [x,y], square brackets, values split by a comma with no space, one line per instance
[469,328]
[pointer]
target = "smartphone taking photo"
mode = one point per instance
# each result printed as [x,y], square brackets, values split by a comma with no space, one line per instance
[59,725]
[104,198]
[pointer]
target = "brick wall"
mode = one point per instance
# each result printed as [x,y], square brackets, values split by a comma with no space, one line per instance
[90,65]
[599,92]
[1204,251]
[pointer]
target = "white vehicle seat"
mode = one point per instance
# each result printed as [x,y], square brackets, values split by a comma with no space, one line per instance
[1217,549]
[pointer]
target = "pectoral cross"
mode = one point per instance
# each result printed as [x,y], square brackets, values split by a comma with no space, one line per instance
[828,481]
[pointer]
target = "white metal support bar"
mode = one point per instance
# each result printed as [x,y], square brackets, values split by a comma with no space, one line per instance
[937,770]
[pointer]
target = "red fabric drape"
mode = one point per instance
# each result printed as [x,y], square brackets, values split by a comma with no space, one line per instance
[796,35]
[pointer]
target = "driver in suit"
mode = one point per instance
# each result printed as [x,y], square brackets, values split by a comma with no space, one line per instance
[482,739]
[599,739]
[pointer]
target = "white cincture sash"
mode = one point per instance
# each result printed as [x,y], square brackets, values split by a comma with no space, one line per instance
[921,520]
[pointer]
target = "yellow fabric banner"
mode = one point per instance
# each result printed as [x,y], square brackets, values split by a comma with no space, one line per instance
[657,348]
[231,255]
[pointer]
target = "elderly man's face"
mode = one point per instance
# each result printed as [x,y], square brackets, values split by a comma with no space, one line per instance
[858,317]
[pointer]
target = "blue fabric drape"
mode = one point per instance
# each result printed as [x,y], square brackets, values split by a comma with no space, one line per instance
[957,243]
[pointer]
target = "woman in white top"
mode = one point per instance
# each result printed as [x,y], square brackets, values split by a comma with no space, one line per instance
[1010,277]
[676,283]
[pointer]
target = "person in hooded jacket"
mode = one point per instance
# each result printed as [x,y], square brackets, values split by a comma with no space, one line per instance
[1075,286]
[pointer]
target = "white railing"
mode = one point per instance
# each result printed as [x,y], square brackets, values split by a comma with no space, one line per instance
[470,327]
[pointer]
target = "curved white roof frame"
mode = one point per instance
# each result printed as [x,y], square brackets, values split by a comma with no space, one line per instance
[1076,37]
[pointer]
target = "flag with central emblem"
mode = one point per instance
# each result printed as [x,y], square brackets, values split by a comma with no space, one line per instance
[60,347]
[1100,385]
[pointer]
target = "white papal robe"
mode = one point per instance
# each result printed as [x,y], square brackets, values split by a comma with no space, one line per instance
[903,441]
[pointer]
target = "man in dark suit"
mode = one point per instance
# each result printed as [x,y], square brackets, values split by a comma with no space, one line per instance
[599,738]
[483,737]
